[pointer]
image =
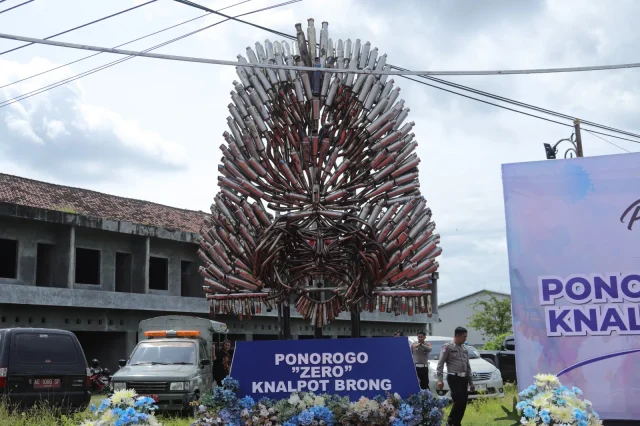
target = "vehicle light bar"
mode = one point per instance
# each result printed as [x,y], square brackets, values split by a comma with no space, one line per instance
[172,333]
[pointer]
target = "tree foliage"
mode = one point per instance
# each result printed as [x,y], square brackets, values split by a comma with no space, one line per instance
[492,316]
[495,344]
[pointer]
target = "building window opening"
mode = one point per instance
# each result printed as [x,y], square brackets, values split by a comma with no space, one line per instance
[8,258]
[44,265]
[123,273]
[87,266]
[185,278]
[158,273]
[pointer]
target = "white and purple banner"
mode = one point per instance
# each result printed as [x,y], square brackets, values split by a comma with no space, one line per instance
[573,235]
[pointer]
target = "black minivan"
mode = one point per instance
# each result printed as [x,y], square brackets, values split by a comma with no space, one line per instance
[38,364]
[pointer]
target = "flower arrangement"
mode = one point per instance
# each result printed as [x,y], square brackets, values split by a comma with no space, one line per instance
[548,402]
[222,407]
[124,408]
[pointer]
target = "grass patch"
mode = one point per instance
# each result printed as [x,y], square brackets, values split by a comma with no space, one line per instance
[480,412]
[483,411]
[48,416]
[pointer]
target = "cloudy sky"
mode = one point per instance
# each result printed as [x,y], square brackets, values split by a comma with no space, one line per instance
[151,129]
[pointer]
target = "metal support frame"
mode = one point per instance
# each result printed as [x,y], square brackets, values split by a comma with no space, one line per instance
[355,323]
[284,321]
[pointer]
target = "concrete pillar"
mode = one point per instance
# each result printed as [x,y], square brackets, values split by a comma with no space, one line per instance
[108,270]
[27,253]
[249,337]
[140,265]
[147,254]
[131,342]
[71,270]
[174,284]
[64,251]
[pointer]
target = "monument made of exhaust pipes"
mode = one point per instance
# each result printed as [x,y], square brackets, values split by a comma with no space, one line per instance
[319,204]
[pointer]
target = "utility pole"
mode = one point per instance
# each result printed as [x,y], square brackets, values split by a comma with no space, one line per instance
[576,125]
[575,140]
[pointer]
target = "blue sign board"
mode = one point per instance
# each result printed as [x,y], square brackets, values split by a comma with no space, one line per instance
[346,367]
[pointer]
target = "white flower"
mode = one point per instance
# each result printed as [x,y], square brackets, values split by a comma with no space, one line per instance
[543,380]
[319,401]
[397,396]
[294,399]
[126,396]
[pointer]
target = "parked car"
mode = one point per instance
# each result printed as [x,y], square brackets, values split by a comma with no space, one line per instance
[486,377]
[504,359]
[38,364]
[172,362]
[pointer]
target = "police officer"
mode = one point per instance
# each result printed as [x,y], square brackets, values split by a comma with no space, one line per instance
[420,352]
[456,356]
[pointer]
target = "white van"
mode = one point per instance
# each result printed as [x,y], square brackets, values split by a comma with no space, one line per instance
[486,377]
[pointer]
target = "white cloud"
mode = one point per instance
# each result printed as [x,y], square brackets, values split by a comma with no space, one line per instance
[20,128]
[72,136]
[55,128]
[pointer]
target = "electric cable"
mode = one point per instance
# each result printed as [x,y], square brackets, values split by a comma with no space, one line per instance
[181,58]
[14,7]
[518,103]
[120,45]
[110,64]
[459,86]
[401,73]
[445,82]
[131,53]
[82,26]
[514,110]
[609,142]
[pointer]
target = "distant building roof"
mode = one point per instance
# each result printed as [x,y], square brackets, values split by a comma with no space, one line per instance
[498,293]
[43,195]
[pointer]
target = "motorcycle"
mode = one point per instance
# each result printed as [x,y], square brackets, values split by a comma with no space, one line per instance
[100,379]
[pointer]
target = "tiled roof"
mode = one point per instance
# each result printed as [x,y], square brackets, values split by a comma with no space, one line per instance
[43,195]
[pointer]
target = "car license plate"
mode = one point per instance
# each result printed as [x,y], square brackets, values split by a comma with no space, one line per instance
[156,398]
[482,388]
[46,383]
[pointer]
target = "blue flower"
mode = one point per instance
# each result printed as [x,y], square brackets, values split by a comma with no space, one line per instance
[247,402]
[561,402]
[322,413]
[546,419]
[530,412]
[104,404]
[577,391]
[579,414]
[230,384]
[520,405]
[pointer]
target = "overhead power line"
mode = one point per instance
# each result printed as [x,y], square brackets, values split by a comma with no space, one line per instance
[514,110]
[609,142]
[398,68]
[82,26]
[520,104]
[459,86]
[120,45]
[110,64]
[298,68]
[16,6]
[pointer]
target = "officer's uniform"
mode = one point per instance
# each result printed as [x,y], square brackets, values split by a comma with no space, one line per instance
[420,355]
[458,377]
